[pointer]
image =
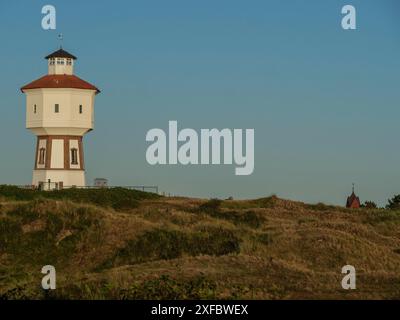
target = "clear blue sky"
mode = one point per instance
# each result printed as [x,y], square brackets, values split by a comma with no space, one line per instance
[324,102]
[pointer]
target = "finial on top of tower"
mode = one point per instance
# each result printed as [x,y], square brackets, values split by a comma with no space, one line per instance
[61,53]
[61,38]
[353,187]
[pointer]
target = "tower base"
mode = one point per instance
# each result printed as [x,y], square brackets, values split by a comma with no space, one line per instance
[58,179]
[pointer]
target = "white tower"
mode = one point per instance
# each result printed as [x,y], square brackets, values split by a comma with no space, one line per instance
[59,111]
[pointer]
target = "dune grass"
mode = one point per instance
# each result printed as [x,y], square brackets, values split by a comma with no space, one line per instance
[117,198]
[177,248]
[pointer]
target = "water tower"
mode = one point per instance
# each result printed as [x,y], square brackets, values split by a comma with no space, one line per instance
[59,111]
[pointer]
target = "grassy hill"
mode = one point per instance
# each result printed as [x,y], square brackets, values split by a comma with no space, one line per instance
[124,244]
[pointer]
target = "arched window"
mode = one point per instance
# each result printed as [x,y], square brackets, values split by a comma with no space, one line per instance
[74,156]
[42,153]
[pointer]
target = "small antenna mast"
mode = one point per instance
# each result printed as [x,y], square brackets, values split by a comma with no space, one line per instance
[61,38]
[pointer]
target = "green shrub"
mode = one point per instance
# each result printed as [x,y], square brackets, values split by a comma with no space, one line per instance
[212,206]
[167,288]
[249,218]
[163,287]
[306,220]
[265,238]
[16,293]
[215,241]
[10,233]
[369,205]
[160,244]
[394,203]
[117,198]
[382,217]
[40,245]
[268,202]
[320,207]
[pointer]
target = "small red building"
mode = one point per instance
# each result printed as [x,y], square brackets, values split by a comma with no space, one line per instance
[353,201]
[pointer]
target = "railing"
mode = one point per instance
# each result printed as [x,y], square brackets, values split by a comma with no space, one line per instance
[53,186]
[141,188]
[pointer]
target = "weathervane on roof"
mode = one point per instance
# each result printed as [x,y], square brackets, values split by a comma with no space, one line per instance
[61,38]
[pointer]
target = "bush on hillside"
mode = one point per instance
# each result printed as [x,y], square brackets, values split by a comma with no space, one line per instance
[167,288]
[117,198]
[249,218]
[161,244]
[394,203]
[36,232]
[369,205]
[212,206]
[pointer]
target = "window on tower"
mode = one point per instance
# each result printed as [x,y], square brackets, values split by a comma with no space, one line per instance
[34,108]
[74,156]
[56,108]
[80,109]
[69,62]
[42,152]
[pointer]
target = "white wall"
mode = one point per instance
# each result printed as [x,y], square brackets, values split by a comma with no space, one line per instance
[35,97]
[57,154]
[68,121]
[61,68]
[68,177]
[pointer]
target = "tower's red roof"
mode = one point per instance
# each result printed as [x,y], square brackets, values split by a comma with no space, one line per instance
[60,81]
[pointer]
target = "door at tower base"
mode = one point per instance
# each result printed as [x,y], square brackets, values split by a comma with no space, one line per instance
[58,179]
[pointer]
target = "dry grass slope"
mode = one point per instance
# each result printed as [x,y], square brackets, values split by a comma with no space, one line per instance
[179,248]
